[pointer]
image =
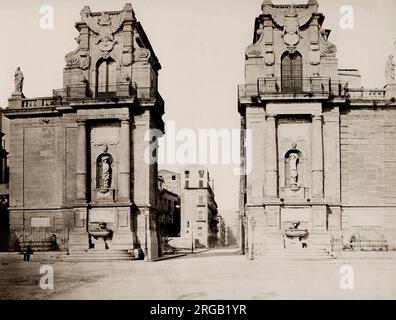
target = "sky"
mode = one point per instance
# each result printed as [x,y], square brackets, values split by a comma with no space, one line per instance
[200,44]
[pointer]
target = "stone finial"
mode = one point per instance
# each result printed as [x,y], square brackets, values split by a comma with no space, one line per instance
[312,2]
[129,13]
[85,12]
[266,3]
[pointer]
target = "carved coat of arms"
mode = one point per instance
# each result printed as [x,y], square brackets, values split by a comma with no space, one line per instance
[291,21]
[105,27]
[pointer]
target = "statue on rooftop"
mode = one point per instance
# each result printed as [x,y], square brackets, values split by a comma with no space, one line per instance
[18,79]
[390,70]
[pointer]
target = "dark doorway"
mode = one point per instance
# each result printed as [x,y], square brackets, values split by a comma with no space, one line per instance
[292,73]
[4,223]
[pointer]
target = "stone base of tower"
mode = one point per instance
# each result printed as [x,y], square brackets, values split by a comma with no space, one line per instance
[268,226]
[146,233]
[85,234]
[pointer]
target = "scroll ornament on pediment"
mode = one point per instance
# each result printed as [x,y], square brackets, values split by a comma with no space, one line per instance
[78,59]
[104,26]
[142,54]
[73,58]
[254,50]
[290,21]
[328,49]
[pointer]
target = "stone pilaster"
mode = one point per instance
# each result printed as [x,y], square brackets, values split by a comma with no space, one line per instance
[271,185]
[317,157]
[82,164]
[125,161]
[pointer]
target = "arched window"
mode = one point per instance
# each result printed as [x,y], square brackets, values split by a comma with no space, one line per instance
[291,72]
[106,78]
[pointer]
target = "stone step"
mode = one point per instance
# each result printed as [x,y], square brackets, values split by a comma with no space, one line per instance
[295,254]
[283,258]
[97,259]
[100,255]
[297,250]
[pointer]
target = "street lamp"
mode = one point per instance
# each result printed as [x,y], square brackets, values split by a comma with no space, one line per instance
[252,225]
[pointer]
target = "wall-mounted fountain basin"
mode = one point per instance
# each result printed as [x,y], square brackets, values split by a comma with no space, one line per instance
[296,233]
[100,233]
[100,230]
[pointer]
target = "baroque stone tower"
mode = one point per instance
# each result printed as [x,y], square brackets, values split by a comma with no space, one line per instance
[78,158]
[302,112]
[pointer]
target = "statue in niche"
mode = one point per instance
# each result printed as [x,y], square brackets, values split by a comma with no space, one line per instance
[104,170]
[293,172]
[106,173]
[18,79]
[390,70]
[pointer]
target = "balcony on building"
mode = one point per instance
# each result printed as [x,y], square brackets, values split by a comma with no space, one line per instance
[284,88]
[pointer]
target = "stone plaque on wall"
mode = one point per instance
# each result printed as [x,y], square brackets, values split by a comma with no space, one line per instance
[40,222]
[319,217]
[273,217]
[123,219]
[101,215]
[105,134]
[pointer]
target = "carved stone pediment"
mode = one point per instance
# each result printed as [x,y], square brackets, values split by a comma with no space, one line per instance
[73,58]
[104,26]
[290,20]
[327,48]
[254,50]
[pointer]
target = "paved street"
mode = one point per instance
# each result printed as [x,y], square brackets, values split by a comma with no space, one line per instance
[216,274]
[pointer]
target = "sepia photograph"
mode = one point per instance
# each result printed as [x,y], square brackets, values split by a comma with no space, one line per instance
[198,150]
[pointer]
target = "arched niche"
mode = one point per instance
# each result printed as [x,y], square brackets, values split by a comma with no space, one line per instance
[294,166]
[104,170]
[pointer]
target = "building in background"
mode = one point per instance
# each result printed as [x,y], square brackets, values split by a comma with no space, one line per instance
[323,147]
[169,197]
[231,221]
[77,157]
[198,207]
[221,232]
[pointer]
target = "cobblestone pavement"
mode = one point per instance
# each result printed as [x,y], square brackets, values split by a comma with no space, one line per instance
[215,274]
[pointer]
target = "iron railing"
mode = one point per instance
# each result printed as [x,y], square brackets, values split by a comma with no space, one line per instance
[363,239]
[39,239]
[121,89]
[85,90]
[288,85]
